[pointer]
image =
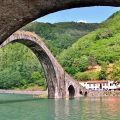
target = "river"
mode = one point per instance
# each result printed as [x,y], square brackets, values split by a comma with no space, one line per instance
[24,107]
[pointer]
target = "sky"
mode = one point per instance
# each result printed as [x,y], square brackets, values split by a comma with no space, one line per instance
[87,14]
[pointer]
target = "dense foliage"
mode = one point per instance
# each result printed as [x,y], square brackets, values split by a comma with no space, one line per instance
[60,36]
[85,76]
[116,71]
[19,68]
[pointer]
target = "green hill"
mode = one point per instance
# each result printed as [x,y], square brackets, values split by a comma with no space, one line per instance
[60,36]
[102,45]
[19,67]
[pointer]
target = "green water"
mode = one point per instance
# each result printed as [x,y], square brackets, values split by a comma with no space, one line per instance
[24,107]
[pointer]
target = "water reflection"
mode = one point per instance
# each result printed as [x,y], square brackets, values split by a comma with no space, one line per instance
[113,106]
[64,109]
[88,109]
[107,108]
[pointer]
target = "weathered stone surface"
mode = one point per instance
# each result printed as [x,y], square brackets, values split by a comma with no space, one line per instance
[69,81]
[16,13]
[58,81]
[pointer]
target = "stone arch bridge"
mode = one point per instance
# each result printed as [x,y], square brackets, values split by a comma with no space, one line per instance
[14,14]
[60,84]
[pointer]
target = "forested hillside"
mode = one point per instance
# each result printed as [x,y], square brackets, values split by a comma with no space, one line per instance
[60,36]
[19,67]
[101,47]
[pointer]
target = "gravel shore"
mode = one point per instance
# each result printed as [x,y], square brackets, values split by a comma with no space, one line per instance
[23,92]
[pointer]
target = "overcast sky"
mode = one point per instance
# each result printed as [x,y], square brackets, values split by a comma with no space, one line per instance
[87,14]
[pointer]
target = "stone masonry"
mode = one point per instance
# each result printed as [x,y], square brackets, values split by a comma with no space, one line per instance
[14,14]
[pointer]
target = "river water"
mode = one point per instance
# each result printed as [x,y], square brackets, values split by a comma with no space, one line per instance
[24,107]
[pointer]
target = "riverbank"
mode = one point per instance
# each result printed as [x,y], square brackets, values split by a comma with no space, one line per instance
[44,94]
[27,92]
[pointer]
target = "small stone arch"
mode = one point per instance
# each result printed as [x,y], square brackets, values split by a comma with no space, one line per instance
[81,92]
[71,91]
[85,94]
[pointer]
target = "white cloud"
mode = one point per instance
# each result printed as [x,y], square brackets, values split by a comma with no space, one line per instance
[82,21]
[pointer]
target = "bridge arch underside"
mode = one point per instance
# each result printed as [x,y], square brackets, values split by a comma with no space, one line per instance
[14,14]
[71,91]
[45,61]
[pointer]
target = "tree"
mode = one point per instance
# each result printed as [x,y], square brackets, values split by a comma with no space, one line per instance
[116,71]
[83,64]
[37,78]
[91,60]
[102,74]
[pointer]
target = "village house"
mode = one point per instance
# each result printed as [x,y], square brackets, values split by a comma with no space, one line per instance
[100,85]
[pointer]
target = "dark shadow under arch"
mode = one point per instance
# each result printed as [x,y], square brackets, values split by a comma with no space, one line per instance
[81,93]
[71,90]
[85,93]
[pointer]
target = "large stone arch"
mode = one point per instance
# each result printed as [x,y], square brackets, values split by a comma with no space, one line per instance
[53,71]
[16,13]
[58,81]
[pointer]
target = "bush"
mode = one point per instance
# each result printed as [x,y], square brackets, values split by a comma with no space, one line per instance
[37,79]
[104,35]
[84,76]
[103,74]
[116,71]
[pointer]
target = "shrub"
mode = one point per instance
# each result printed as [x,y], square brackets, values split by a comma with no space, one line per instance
[84,76]
[104,35]
[102,73]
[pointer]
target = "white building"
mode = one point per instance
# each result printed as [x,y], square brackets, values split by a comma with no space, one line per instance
[100,85]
